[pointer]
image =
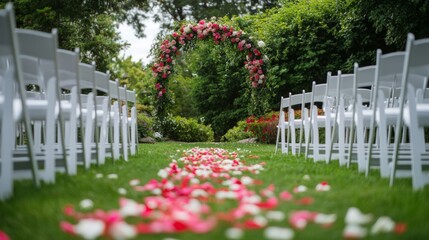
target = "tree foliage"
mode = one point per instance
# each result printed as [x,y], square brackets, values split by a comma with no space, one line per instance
[171,11]
[87,24]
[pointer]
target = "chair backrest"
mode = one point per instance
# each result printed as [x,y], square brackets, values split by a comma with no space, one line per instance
[68,68]
[122,93]
[86,76]
[319,91]
[131,96]
[365,76]
[113,89]
[43,47]
[364,82]
[102,82]
[295,99]
[8,43]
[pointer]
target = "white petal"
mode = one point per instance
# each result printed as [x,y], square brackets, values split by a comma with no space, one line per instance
[122,191]
[234,233]
[89,228]
[354,231]
[383,224]
[112,176]
[275,215]
[86,204]
[122,230]
[325,219]
[355,216]
[134,182]
[278,233]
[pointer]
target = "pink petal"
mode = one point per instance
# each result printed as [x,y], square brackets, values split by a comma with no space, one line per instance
[285,195]
[4,236]
[66,227]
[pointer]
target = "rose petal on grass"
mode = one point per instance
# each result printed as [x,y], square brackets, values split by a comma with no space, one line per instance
[122,191]
[305,201]
[234,233]
[134,182]
[112,176]
[323,187]
[275,215]
[122,230]
[400,228]
[86,204]
[278,233]
[299,219]
[326,220]
[300,189]
[285,195]
[89,228]
[355,216]
[354,231]
[383,224]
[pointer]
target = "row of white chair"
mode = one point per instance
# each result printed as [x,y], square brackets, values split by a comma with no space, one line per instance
[56,112]
[375,116]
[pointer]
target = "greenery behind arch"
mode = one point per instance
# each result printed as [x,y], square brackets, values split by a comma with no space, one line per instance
[217,33]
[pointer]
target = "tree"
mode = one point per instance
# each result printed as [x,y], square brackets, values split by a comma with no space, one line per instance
[87,24]
[171,11]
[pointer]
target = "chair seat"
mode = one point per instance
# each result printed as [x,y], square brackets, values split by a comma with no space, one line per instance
[17,108]
[422,114]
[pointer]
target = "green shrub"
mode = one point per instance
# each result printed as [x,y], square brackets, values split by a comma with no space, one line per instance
[187,130]
[237,133]
[144,125]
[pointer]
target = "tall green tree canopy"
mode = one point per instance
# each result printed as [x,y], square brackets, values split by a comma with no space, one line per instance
[87,24]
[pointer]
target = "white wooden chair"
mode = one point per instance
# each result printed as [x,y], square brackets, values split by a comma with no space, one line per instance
[68,68]
[413,115]
[124,121]
[47,109]
[115,119]
[318,97]
[132,122]
[87,84]
[13,109]
[282,125]
[102,116]
[353,119]
[388,73]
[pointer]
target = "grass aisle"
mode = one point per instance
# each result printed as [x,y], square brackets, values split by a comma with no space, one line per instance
[36,214]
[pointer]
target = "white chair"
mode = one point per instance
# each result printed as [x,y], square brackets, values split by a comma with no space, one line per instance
[352,119]
[294,100]
[282,125]
[124,121]
[46,110]
[298,102]
[13,109]
[68,69]
[318,97]
[87,84]
[102,116]
[412,115]
[342,98]
[132,122]
[388,73]
[115,119]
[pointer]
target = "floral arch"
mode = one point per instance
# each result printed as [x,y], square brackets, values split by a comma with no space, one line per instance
[203,30]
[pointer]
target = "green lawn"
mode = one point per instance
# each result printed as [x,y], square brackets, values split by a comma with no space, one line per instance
[36,213]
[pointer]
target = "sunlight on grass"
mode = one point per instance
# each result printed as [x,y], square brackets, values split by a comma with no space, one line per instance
[36,213]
